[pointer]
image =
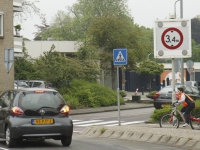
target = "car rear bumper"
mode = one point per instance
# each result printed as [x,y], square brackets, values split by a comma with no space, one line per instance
[39,131]
[22,128]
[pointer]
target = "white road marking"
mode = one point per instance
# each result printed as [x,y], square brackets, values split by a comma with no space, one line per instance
[127,123]
[100,123]
[82,122]
[76,120]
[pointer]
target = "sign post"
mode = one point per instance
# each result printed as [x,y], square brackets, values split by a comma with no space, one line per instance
[8,62]
[172,39]
[119,58]
[190,68]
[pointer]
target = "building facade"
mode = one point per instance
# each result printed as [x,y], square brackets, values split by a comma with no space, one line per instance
[7,8]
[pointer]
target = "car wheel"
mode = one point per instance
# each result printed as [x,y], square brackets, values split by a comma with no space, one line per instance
[9,142]
[66,141]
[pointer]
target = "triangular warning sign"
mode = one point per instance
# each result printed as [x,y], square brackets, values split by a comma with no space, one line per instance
[120,57]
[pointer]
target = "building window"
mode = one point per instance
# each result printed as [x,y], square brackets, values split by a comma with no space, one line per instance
[1,23]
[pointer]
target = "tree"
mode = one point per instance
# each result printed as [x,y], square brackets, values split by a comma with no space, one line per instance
[29,8]
[23,67]
[149,67]
[111,32]
[195,52]
[61,70]
[44,29]
[195,27]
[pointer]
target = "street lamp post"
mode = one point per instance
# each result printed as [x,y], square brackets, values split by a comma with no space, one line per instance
[175,9]
[182,65]
[181,16]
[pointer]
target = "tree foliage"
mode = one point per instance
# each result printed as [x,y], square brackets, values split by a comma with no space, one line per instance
[29,8]
[24,68]
[149,67]
[61,70]
[195,29]
[103,25]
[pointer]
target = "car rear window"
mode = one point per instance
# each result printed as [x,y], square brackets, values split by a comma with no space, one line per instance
[34,101]
[37,84]
[166,90]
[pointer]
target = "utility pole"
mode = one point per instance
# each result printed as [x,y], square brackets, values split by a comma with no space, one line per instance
[182,64]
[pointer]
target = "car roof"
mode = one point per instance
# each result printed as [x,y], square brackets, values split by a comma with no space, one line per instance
[34,89]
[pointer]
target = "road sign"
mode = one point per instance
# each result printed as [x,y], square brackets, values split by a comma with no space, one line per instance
[189,63]
[8,58]
[120,57]
[172,38]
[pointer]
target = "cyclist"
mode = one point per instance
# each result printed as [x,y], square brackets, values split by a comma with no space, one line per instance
[188,104]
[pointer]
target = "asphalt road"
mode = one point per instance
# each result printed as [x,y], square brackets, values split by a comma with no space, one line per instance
[82,142]
[127,117]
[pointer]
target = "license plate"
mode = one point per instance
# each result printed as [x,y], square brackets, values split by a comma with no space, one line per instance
[42,121]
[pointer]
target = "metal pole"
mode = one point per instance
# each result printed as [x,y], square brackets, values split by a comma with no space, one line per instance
[6,80]
[118,98]
[182,65]
[173,80]
[7,72]
[175,9]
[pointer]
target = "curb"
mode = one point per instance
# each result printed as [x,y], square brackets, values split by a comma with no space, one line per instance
[143,137]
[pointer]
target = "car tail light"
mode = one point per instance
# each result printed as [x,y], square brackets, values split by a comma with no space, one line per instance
[155,96]
[17,111]
[39,91]
[64,110]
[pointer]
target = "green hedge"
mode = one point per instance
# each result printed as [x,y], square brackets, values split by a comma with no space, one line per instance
[83,94]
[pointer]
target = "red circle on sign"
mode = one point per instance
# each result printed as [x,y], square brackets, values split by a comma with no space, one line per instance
[172,47]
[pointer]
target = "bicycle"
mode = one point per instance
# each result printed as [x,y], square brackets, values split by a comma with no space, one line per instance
[171,120]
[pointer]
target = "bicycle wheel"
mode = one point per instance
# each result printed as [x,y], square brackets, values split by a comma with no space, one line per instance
[195,124]
[169,121]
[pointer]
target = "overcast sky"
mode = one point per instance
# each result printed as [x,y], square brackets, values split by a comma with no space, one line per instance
[145,12]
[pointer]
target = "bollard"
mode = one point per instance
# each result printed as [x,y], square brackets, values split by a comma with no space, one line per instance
[142,90]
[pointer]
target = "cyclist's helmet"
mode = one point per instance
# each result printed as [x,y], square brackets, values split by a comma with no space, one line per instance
[181,88]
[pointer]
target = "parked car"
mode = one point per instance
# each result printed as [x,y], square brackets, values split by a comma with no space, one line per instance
[37,84]
[34,113]
[20,84]
[164,96]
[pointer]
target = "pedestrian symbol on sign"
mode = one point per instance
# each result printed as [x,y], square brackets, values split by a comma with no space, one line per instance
[120,57]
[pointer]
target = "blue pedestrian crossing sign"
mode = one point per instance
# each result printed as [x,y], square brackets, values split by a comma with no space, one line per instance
[120,56]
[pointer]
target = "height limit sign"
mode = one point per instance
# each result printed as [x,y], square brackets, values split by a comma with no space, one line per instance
[172,38]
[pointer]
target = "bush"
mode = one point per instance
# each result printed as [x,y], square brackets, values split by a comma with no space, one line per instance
[158,113]
[72,102]
[152,92]
[89,94]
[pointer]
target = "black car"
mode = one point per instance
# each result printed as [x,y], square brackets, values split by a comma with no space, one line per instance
[164,96]
[34,113]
